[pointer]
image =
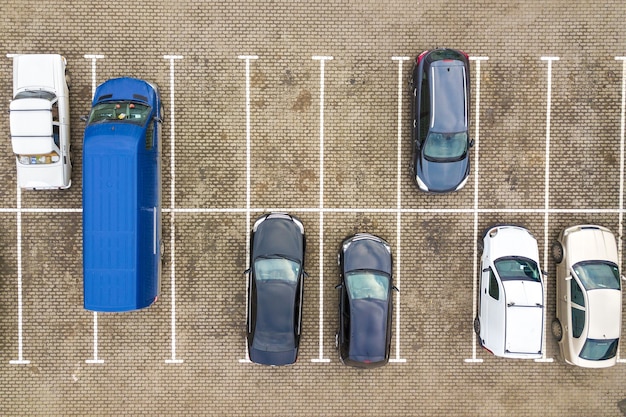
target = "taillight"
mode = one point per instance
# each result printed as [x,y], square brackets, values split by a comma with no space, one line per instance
[420,57]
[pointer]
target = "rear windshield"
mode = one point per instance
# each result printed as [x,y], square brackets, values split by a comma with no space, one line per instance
[599,350]
[119,111]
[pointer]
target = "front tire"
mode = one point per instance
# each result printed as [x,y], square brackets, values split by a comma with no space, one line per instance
[557,252]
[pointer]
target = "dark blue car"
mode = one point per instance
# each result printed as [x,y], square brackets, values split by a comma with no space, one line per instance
[275,289]
[365,302]
[122,245]
[440,92]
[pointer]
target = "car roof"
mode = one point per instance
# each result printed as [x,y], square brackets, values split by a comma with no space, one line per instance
[275,318]
[448,96]
[368,329]
[603,309]
[524,316]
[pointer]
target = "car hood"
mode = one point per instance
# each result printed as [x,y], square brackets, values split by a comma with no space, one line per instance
[591,244]
[36,71]
[605,318]
[367,254]
[443,176]
[276,236]
[512,241]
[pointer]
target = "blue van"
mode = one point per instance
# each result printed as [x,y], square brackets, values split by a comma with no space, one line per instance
[122,244]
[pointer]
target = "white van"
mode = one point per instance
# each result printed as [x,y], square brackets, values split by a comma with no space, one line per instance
[510,313]
[40,122]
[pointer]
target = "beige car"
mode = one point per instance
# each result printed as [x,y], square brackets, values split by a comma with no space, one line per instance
[589,296]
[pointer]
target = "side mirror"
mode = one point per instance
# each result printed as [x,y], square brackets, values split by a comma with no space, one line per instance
[246,272]
[471,143]
[544,273]
[568,278]
[338,286]
[306,274]
[393,287]
[486,270]
[623,277]
[84,118]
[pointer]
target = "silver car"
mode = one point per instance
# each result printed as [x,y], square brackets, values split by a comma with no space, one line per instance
[589,296]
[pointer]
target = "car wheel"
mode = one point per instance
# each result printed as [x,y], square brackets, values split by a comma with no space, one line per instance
[477,325]
[557,330]
[557,252]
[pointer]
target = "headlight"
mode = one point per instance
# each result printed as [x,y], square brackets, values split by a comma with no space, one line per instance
[421,184]
[462,184]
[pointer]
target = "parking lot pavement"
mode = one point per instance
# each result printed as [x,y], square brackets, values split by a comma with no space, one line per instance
[259,117]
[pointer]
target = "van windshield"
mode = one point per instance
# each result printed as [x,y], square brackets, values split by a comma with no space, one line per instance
[119,111]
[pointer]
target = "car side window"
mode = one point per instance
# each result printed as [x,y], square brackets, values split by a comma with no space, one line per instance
[494,290]
[578,321]
[576,293]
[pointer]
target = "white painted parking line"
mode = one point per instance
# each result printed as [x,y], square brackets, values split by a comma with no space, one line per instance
[247,58]
[546,215]
[172,359]
[477,61]
[321,358]
[400,60]
[20,353]
[95,359]
[621,174]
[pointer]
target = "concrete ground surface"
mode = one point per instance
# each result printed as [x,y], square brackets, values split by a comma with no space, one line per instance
[324,146]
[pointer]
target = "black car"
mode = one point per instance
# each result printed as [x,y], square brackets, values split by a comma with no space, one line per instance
[440,92]
[275,289]
[365,302]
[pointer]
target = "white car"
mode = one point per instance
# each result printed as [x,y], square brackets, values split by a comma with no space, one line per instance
[589,296]
[40,122]
[510,313]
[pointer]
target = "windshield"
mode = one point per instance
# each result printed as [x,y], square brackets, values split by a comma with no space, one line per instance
[36,94]
[445,146]
[273,269]
[596,275]
[517,268]
[367,284]
[119,111]
[599,350]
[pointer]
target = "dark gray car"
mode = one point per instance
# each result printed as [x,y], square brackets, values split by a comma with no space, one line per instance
[365,302]
[440,91]
[275,289]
